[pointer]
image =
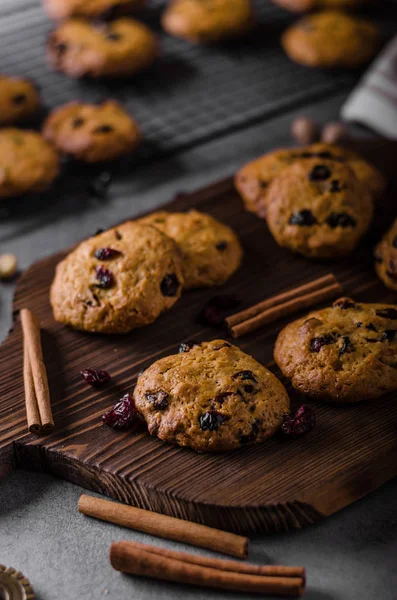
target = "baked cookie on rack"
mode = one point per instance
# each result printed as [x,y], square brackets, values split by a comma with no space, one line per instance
[28,164]
[211,397]
[211,251]
[206,21]
[253,179]
[386,258]
[331,39]
[92,132]
[119,280]
[318,208]
[19,99]
[113,49]
[89,9]
[346,353]
[299,6]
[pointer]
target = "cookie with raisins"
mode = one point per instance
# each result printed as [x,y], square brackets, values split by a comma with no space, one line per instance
[119,280]
[211,397]
[211,251]
[345,353]
[318,208]
[19,99]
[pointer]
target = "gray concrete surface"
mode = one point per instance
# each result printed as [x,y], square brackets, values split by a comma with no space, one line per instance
[350,556]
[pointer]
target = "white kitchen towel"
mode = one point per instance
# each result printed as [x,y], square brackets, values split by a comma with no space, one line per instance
[374,101]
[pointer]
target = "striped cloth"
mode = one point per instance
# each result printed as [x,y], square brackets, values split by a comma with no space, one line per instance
[374,102]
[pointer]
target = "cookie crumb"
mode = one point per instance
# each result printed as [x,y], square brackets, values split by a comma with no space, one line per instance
[8,266]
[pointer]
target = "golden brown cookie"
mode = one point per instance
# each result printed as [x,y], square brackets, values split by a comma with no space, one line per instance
[253,180]
[211,251]
[92,132]
[317,207]
[308,5]
[118,280]
[211,397]
[386,258]
[115,49]
[205,21]
[19,99]
[346,353]
[331,39]
[27,162]
[89,9]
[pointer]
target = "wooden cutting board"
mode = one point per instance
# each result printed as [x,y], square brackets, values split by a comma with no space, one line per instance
[274,487]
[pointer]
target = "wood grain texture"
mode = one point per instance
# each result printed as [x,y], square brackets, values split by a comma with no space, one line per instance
[278,486]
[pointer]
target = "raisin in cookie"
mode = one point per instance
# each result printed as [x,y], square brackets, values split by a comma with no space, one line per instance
[331,39]
[27,162]
[89,9]
[204,21]
[211,397]
[386,258]
[318,208]
[118,48]
[345,353]
[90,132]
[254,179]
[307,5]
[118,280]
[19,99]
[211,251]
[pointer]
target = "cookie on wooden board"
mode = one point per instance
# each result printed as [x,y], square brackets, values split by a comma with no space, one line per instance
[331,39]
[211,251]
[92,132]
[211,397]
[206,21]
[119,280]
[113,49]
[318,208]
[346,353]
[28,163]
[19,99]
[89,9]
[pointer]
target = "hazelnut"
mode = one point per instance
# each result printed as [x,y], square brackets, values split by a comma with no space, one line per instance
[8,266]
[334,133]
[305,131]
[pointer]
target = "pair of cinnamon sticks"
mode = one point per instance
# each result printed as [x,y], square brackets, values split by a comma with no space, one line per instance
[285,304]
[37,393]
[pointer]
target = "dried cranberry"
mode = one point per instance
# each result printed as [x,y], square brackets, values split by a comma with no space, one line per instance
[187,346]
[319,173]
[303,217]
[250,437]
[159,399]
[340,220]
[105,278]
[170,285]
[95,377]
[318,342]
[347,346]
[371,327]
[221,246]
[78,122]
[344,303]
[211,420]
[106,253]
[244,375]
[390,335]
[61,48]
[387,313]
[249,389]
[216,309]
[103,129]
[114,37]
[18,99]
[335,186]
[301,423]
[123,414]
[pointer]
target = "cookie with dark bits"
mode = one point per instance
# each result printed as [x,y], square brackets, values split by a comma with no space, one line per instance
[345,353]
[206,21]
[318,208]
[385,255]
[90,9]
[119,280]
[211,250]
[19,99]
[118,48]
[92,132]
[211,397]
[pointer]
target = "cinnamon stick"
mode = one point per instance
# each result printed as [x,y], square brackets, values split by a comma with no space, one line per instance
[222,564]
[32,409]
[34,354]
[301,290]
[163,526]
[127,559]
[287,308]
